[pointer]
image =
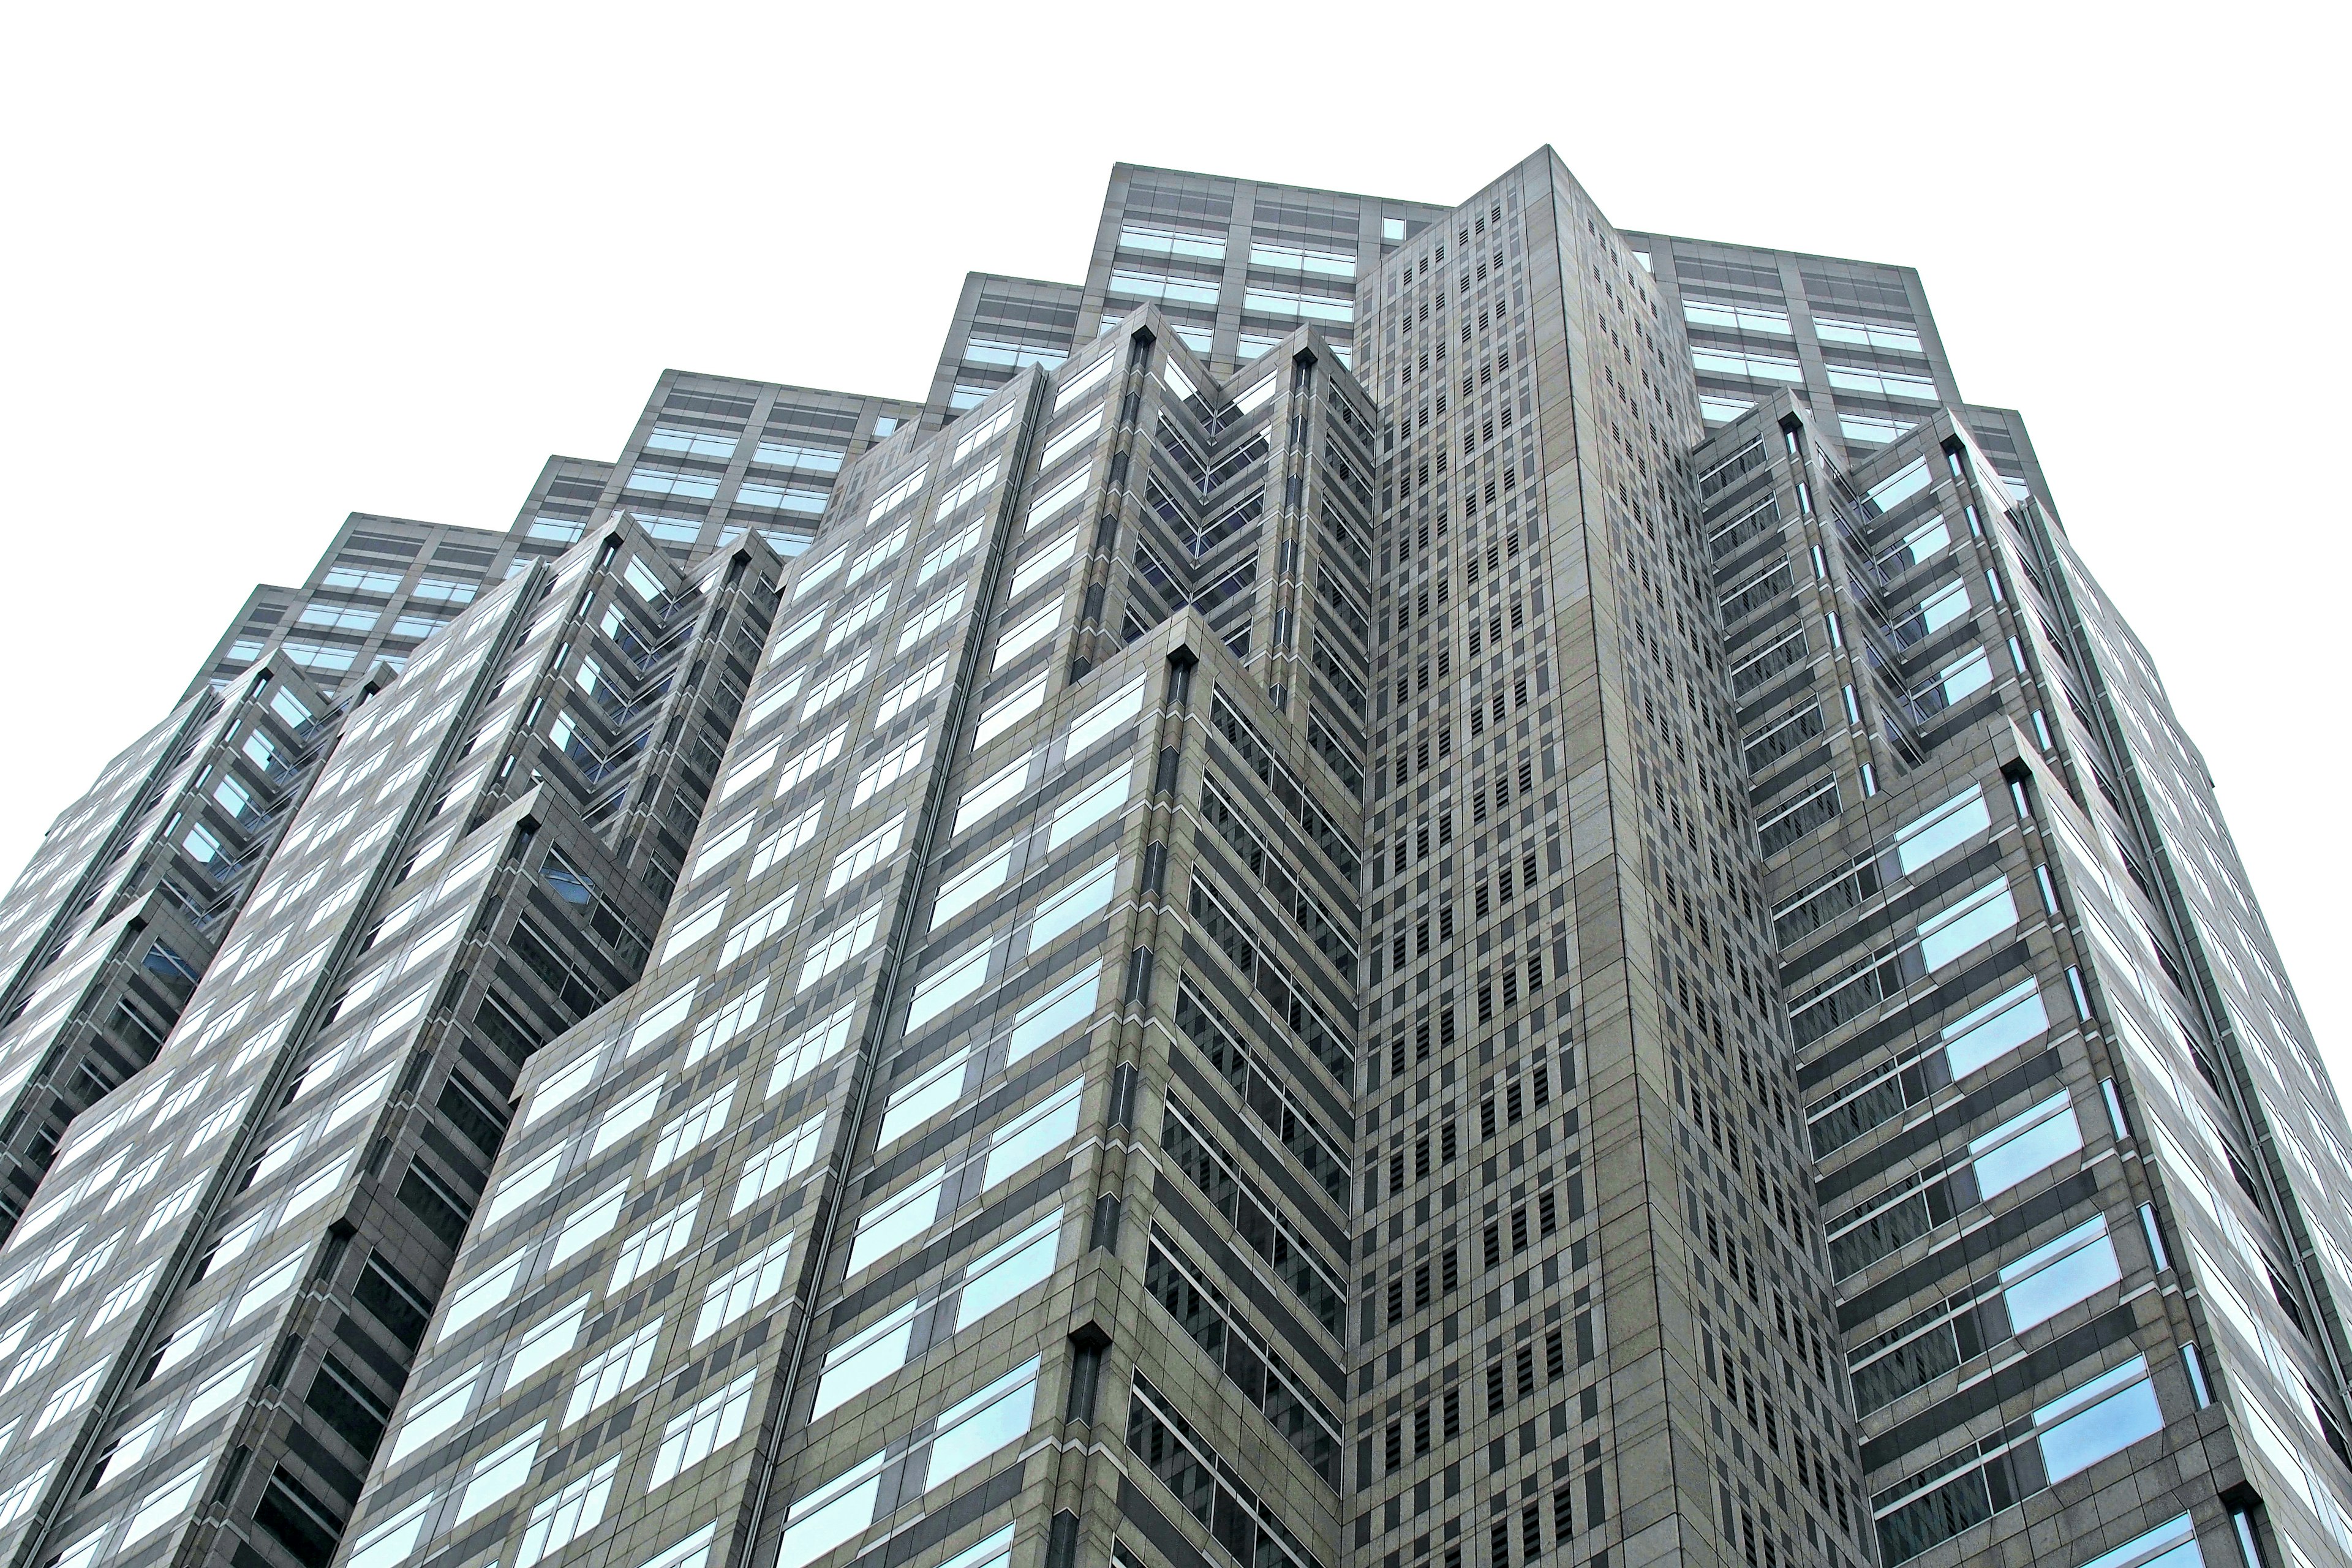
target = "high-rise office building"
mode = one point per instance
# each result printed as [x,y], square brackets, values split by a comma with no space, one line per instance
[1443,888]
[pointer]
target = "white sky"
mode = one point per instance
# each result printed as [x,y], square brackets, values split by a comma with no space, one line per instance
[264,266]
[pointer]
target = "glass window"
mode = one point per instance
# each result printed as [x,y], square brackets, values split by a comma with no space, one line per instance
[524,1183]
[779,1163]
[500,1474]
[837,1511]
[1083,811]
[696,443]
[490,1289]
[967,888]
[915,1103]
[589,1224]
[627,1117]
[1115,712]
[729,1021]
[949,985]
[790,455]
[845,944]
[167,1504]
[1159,240]
[339,618]
[1952,824]
[995,1417]
[666,1015]
[1084,898]
[802,498]
[547,1343]
[1014,642]
[993,791]
[2172,1544]
[810,1048]
[656,1244]
[1735,318]
[897,1220]
[1968,924]
[1064,1007]
[647,479]
[1270,301]
[2028,1142]
[699,1433]
[1014,707]
[1033,1136]
[1867,334]
[1993,1030]
[622,1367]
[359,580]
[865,854]
[434,1414]
[744,1287]
[1751,367]
[859,1363]
[2103,1416]
[2053,1277]
[1005,1271]
[562,1518]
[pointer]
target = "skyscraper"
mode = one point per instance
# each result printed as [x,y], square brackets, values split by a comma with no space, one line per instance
[1435,887]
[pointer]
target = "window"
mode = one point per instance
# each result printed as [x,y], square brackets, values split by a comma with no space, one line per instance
[1018,640]
[339,618]
[1952,824]
[499,1474]
[1082,811]
[967,888]
[845,944]
[167,1504]
[649,1248]
[2053,1277]
[995,1417]
[905,693]
[857,1363]
[1059,1010]
[779,1161]
[797,833]
[786,455]
[1010,709]
[849,677]
[1033,1136]
[693,927]
[1072,905]
[703,1430]
[358,580]
[917,1102]
[839,1510]
[896,1220]
[696,443]
[434,1414]
[1968,924]
[697,1127]
[485,1291]
[881,774]
[621,1368]
[749,932]
[1735,318]
[561,1519]
[1993,1030]
[2029,1142]
[2103,1416]
[729,1021]
[810,1048]
[747,1285]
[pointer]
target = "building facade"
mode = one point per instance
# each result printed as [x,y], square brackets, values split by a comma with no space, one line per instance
[1443,888]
